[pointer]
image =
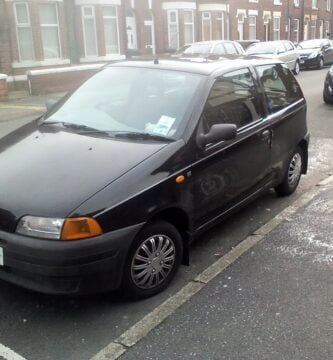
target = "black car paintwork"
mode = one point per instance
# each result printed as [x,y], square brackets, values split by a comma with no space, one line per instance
[125,182]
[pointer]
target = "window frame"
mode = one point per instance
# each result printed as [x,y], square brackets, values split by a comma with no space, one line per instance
[107,17]
[253,26]
[169,27]
[259,94]
[57,25]
[276,30]
[24,26]
[93,16]
[189,24]
[203,19]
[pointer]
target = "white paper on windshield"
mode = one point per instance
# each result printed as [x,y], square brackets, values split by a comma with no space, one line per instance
[164,125]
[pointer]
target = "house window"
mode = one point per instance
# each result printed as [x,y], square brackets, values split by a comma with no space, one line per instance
[296,3]
[206,26]
[173,29]
[296,30]
[188,27]
[220,29]
[48,14]
[314,4]
[328,29]
[313,29]
[277,2]
[111,33]
[89,30]
[276,27]
[328,5]
[321,29]
[240,25]
[252,27]
[23,31]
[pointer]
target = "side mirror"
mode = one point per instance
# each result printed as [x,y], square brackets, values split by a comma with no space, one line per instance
[50,103]
[218,133]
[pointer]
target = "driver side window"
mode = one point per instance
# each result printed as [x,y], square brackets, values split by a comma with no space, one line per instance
[233,100]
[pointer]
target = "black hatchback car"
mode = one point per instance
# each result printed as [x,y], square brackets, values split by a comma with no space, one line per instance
[315,53]
[112,184]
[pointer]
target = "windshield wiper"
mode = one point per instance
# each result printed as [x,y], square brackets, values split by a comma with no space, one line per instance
[69,125]
[141,136]
[74,126]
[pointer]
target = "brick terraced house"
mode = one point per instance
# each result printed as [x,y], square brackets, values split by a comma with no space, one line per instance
[51,42]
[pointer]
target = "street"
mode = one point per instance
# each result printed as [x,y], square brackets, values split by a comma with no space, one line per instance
[41,327]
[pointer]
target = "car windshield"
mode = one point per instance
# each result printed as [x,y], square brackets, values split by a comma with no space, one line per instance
[261,48]
[310,44]
[130,100]
[199,49]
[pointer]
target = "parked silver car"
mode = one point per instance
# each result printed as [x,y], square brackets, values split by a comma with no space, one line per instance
[216,47]
[283,50]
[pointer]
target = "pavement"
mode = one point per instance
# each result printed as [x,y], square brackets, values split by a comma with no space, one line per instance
[274,302]
[266,317]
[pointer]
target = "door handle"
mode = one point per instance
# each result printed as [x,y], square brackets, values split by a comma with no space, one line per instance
[267,136]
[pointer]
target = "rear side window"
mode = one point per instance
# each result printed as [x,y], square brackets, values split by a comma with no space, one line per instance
[230,48]
[219,49]
[289,46]
[232,100]
[281,88]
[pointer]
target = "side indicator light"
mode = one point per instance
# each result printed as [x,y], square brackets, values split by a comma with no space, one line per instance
[180,179]
[80,228]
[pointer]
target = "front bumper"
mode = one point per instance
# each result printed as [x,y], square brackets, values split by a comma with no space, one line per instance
[66,267]
[308,63]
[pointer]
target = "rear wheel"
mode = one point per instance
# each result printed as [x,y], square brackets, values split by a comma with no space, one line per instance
[297,68]
[293,174]
[153,260]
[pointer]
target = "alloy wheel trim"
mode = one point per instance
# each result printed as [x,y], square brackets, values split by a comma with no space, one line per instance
[153,261]
[294,169]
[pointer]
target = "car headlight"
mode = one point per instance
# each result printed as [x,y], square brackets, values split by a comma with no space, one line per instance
[63,229]
[313,55]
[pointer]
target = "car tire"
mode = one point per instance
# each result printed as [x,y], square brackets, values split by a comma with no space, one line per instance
[292,175]
[320,63]
[152,261]
[326,99]
[297,68]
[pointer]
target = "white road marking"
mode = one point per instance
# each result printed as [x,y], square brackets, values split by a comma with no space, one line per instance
[142,328]
[9,354]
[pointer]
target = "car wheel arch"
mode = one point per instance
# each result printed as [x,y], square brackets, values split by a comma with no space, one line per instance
[180,219]
[304,147]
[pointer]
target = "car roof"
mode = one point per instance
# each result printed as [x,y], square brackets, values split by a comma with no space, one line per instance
[211,42]
[203,66]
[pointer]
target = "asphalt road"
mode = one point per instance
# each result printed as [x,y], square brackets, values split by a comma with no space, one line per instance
[43,327]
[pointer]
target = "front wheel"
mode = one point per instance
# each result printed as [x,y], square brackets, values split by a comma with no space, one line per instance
[320,63]
[153,260]
[297,68]
[293,174]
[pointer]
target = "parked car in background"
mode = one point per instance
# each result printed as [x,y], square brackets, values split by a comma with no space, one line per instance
[280,50]
[315,53]
[217,47]
[328,87]
[112,184]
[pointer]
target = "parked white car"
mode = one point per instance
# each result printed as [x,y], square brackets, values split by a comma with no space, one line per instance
[283,50]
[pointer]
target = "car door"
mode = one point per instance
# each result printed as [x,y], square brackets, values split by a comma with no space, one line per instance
[284,55]
[287,112]
[228,172]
